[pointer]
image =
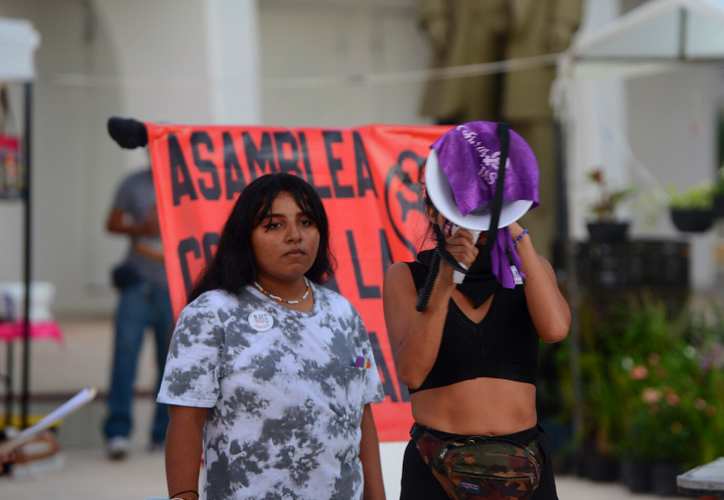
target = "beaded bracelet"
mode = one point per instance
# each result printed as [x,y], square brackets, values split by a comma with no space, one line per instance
[515,243]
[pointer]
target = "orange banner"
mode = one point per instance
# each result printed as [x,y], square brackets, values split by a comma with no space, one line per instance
[368,178]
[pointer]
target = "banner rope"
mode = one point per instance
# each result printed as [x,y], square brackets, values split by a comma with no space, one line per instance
[302,82]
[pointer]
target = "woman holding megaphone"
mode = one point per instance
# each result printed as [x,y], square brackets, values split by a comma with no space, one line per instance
[468,351]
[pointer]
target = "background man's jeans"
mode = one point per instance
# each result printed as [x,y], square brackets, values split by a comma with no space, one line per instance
[141,305]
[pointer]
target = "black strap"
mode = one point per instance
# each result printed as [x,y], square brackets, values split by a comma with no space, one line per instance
[504,135]
[416,433]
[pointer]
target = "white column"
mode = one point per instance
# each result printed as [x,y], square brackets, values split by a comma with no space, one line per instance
[598,133]
[232,28]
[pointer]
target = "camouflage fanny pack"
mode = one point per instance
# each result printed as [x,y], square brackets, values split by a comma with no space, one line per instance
[479,467]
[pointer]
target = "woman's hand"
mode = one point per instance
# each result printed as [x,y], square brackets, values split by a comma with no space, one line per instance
[462,247]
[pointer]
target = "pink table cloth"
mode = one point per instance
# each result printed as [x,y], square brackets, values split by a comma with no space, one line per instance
[46,330]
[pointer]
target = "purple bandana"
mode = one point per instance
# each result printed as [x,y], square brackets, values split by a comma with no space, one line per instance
[469,154]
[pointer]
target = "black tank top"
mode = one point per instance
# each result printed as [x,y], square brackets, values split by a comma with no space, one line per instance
[503,345]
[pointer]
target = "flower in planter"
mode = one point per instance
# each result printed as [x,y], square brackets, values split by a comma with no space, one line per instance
[604,208]
[653,385]
[672,398]
[651,396]
[712,358]
[639,372]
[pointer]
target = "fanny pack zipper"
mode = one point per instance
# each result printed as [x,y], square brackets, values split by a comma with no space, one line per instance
[484,474]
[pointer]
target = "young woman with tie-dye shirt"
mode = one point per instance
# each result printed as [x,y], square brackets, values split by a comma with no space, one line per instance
[270,372]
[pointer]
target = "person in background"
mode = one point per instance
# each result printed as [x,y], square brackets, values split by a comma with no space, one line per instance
[144,302]
[269,373]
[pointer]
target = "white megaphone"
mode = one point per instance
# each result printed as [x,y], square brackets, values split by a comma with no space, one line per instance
[441,195]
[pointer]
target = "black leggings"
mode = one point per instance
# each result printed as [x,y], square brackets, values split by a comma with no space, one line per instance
[418,483]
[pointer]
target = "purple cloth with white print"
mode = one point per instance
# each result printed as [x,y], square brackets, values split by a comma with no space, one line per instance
[499,259]
[469,154]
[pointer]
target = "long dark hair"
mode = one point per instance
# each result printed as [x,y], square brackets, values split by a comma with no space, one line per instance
[233,265]
[432,233]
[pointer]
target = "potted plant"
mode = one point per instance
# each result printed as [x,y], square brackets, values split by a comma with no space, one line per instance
[669,380]
[605,227]
[691,210]
[653,390]
[600,414]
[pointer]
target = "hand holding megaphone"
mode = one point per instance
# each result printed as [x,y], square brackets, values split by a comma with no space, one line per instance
[449,229]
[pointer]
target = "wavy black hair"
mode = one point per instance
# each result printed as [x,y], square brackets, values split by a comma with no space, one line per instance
[233,265]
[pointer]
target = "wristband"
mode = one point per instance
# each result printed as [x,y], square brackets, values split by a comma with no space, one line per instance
[515,243]
[175,497]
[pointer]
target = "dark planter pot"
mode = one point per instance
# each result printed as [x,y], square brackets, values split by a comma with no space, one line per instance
[624,472]
[663,479]
[606,232]
[601,469]
[639,477]
[692,221]
[718,208]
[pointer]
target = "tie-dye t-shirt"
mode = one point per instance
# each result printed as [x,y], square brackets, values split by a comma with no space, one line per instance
[284,390]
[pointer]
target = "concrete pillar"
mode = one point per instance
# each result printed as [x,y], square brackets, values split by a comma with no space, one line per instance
[233,45]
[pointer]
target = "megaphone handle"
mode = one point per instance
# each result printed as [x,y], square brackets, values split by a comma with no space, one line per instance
[458,277]
[424,294]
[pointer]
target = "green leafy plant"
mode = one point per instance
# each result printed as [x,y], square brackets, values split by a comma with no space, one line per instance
[697,198]
[604,208]
[653,381]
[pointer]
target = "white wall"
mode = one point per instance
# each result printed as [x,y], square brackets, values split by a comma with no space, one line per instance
[85,47]
[302,38]
[651,131]
[671,122]
[180,61]
[597,128]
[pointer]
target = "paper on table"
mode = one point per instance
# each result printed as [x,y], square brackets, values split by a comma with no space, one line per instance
[83,397]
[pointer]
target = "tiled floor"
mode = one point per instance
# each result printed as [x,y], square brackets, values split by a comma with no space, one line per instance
[87,475]
[83,360]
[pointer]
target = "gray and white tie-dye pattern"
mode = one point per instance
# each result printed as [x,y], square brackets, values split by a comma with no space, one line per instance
[285,404]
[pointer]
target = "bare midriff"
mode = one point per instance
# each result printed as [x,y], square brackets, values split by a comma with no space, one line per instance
[481,406]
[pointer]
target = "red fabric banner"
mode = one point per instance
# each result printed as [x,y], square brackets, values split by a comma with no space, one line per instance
[368,178]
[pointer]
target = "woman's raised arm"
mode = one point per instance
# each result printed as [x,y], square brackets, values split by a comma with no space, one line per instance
[548,309]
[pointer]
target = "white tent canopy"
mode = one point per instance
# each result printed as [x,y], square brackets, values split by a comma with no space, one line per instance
[657,36]
[18,42]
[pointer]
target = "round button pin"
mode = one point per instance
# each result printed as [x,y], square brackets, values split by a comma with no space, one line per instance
[260,320]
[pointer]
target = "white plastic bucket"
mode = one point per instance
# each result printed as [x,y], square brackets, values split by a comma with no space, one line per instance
[12,300]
